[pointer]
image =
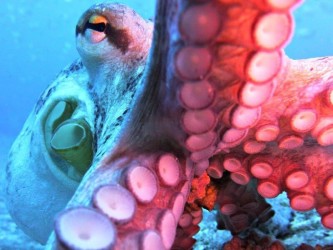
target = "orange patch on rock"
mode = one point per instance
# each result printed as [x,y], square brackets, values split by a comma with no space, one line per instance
[203,193]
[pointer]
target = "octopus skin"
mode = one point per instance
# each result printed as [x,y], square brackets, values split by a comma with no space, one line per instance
[220,117]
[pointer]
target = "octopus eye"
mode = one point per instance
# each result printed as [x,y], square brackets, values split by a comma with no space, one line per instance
[97,26]
[94,30]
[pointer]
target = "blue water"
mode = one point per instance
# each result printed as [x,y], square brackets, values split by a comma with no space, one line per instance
[37,40]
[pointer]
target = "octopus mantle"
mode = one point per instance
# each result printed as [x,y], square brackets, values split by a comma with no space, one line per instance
[213,115]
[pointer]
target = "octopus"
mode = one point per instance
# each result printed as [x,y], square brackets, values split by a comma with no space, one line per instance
[202,109]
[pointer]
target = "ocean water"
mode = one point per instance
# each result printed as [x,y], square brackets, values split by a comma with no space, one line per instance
[37,40]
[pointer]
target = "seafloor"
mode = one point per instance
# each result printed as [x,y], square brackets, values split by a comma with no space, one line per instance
[293,228]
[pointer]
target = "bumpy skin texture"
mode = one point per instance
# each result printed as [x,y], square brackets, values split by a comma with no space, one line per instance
[218,96]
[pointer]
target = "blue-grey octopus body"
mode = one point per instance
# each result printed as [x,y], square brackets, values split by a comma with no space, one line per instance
[127,140]
[97,91]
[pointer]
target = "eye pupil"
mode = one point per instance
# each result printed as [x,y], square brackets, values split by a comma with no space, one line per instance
[100,27]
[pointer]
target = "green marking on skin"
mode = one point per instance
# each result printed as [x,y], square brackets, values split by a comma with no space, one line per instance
[60,112]
[73,141]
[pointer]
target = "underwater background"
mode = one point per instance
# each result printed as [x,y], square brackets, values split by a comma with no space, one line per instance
[37,40]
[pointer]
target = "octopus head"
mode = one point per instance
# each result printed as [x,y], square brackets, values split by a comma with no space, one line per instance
[111,35]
